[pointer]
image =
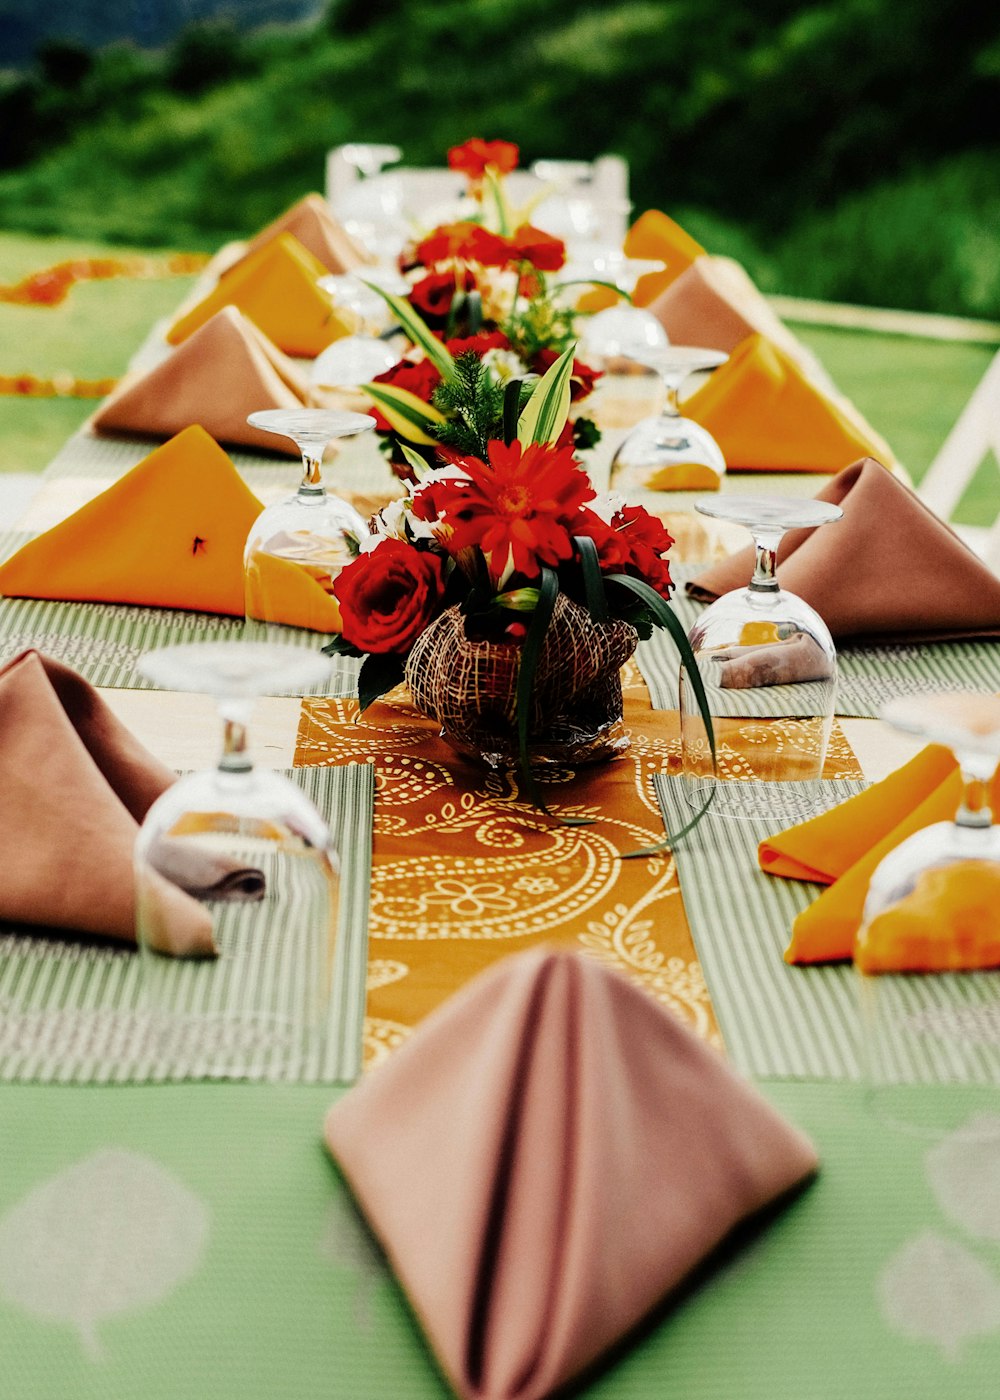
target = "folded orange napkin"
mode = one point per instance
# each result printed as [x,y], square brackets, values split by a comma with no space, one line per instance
[289,589]
[74,785]
[224,371]
[890,568]
[766,415]
[948,923]
[526,1118]
[842,847]
[311,222]
[168,534]
[655,235]
[276,288]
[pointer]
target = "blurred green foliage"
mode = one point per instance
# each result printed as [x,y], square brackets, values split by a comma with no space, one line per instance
[848,149]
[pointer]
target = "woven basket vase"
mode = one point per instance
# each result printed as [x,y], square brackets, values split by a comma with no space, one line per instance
[470,689]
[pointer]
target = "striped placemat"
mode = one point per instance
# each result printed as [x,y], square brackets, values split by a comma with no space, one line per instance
[868,676]
[780,1021]
[72,1012]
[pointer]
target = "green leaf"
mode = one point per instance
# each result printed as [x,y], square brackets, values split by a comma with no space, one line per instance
[496,190]
[593,580]
[417,330]
[419,464]
[337,646]
[666,617]
[409,416]
[518,600]
[378,674]
[593,282]
[545,413]
[511,408]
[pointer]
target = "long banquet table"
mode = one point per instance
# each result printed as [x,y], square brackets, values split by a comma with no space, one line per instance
[193,1239]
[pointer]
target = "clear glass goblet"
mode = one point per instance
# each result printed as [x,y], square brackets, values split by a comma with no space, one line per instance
[769,670]
[623,331]
[372,209]
[928,951]
[668,452]
[351,361]
[238,857]
[297,546]
[354,292]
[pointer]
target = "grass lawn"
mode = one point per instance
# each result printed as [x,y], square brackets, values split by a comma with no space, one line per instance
[911,390]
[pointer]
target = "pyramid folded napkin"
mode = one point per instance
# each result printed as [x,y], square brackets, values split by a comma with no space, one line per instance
[889,569]
[276,287]
[311,222]
[224,371]
[512,1119]
[656,236]
[842,847]
[766,414]
[169,534]
[74,785]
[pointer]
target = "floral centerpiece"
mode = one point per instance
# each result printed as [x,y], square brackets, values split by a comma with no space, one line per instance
[508,594]
[482,314]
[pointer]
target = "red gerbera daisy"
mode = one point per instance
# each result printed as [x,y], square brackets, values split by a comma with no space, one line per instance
[520,508]
[473,157]
[466,240]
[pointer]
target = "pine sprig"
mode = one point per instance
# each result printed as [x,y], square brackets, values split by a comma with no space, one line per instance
[473,403]
[537,325]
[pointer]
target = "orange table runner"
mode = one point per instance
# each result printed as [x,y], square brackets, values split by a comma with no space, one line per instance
[464,872]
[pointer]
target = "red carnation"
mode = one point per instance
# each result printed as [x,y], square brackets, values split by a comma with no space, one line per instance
[388,596]
[544,252]
[467,241]
[481,343]
[475,156]
[647,541]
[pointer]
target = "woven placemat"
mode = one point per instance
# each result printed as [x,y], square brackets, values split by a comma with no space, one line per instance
[71,1012]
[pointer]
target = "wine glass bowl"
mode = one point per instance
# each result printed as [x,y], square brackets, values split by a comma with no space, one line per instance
[928,949]
[668,452]
[297,547]
[768,667]
[249,848]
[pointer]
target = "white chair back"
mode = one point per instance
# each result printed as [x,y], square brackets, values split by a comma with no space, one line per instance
[976,434]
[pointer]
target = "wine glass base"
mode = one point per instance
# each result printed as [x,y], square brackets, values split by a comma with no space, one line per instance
[754,801]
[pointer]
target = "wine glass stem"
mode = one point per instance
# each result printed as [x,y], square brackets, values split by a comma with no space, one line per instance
[235,757]
[312,474]
[974,810]
[671,404]
[765,578]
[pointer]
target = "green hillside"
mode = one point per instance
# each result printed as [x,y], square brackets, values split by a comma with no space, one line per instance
[847,150]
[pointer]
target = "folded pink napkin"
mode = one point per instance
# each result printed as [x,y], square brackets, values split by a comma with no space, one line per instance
[889,569]
[576,1152]
[74,785]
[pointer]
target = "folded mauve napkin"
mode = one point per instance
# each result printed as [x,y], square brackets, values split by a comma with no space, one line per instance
[889,569]
[767,415]
[224,371]
[656,236]
[579,1152]
[74,785]
[842,847]
[168,534]
[276,287]
[311,222]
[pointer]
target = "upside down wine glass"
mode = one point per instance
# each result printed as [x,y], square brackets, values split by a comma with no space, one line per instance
[298,546]
[769,670]
[249,848]
[928,951]
[669,452]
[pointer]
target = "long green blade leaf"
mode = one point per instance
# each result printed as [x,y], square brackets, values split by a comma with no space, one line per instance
[511,405]
[544,415]
[411,417]
[418,332]
[593,583]
[666,616]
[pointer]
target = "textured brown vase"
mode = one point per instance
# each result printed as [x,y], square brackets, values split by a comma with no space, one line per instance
[470,689]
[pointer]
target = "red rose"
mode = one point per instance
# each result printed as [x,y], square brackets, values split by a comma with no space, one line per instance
[388,596]
[434,293]
[475,156]
[530,244]
[420,379]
